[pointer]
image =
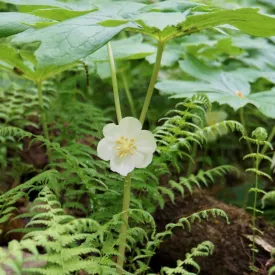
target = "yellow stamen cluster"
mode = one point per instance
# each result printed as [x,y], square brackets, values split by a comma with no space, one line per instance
[239,94]
[125,146]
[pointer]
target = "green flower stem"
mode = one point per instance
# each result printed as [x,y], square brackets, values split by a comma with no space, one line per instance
[254,207]
[129,95]
[127,183]
[114,82]
[124,226]
[270,138]
[43,114]
[154,77]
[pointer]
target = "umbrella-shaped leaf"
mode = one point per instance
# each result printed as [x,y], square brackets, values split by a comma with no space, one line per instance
[124,49]
[266,102]
[69,41]
[14,22]
[232,88]
[163,23]
[52,9]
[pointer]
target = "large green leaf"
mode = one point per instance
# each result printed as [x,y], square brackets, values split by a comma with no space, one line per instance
[31,5]
[52,9]
[14,22]
[260,53]
[266,102]
[69,41]
[12,60]
[170,56]
[246,19]
[232,88]
[216,49]
[170,6]
[124,49]
[167,25]
[125,9]
[23,64]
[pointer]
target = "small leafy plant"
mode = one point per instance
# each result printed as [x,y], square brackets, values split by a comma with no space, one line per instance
[259,137]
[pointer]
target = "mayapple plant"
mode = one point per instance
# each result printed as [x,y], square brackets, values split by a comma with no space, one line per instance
[127,146]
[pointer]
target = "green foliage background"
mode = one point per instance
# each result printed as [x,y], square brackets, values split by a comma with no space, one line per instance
[215,85]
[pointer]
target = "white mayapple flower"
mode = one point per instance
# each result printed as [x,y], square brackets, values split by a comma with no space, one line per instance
[127,146]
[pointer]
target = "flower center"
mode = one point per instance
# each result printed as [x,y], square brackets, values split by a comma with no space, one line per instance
[239,94]
[125,146]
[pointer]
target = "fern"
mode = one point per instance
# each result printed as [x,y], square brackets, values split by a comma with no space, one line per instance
[272,269]
[179,131]
[220,128]
[13,258]
[70,245]
[186,222]
[14,132]
[260,136]
[270,196]
[156,239]
[202,250]
[18,106]
[203,177]
[8,199]
[184,128]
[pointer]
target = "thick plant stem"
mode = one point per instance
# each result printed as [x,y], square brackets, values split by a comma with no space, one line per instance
[43,114]
[129,95]
[114,82]
[254,207]
[124,226]
[154,77]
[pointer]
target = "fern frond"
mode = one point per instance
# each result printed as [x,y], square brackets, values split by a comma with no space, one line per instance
[257,142]
[270,196]
[258,172]
[260,135]
[14,132]
[206,176]
[13,257]
[257,156]
[221,128]
[180,129]
[202,250]
[187,221]
[71,244]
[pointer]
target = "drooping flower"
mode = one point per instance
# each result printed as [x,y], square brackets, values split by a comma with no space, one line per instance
[127,146]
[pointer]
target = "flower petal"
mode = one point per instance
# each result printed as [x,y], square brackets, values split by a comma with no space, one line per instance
[142,160]
[124,165]
[110,130]
[105,149]
[145,142]
[130,127]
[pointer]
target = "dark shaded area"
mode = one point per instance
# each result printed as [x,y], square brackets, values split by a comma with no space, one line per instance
[232,253]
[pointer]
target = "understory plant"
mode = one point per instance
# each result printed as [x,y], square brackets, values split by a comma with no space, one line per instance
[259,137]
